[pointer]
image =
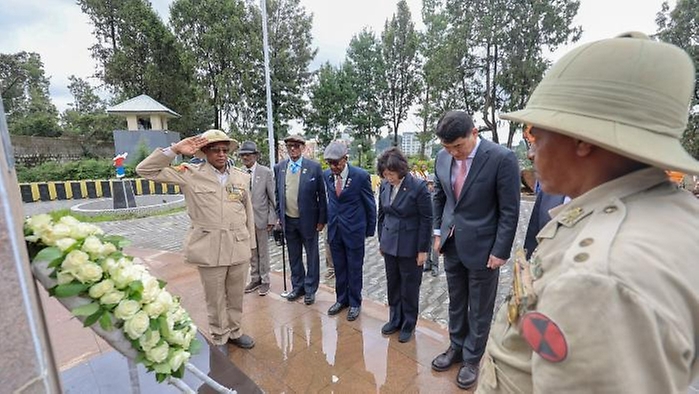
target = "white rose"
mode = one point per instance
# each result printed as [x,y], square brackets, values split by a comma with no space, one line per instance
[162,304]
[74,260]
[64,277]
[108,265]
[69,221]
[60,231]
[178,358]
[176,337]
[88,273]
[149,339]
[64,243]
[178,313]
[112,297]
[93,246]
[162,368]
[108,248]
[137,325]
[123,276]
[127,309]
[38,221]
[158,354]
[189,336]
[151,288]
[101,288]
[83,230]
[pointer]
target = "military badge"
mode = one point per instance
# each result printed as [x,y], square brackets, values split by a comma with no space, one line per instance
[544,336]
[522,297]
[235,192]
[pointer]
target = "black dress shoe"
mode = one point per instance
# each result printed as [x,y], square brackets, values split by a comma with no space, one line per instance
[405,335]
[388,329]
[244,342]
[468,376]
[353,313]
[309,299]
[336,308]
[446,359]
[295,294]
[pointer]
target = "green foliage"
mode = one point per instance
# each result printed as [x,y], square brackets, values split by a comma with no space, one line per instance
[679,26]
[332,102]
[87,113]
[72,171]
[24,90]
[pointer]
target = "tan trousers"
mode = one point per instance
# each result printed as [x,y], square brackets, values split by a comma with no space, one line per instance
[223,290]
[259,263]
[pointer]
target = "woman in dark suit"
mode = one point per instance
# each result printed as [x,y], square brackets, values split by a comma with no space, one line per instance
[404,228]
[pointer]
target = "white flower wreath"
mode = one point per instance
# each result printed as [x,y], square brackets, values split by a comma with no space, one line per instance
[111,292]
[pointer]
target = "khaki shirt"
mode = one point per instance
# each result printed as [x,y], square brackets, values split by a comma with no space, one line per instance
[616,284]
[222,231]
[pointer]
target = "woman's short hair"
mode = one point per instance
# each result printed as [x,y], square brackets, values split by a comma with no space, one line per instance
[392,159]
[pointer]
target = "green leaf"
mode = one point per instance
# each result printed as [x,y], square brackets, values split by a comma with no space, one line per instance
[179,373]
[106,321]
[90,320]
[119,241]
[69,289]
[162,283]
[160,377]
[86,310]
[194,347]
[50,254]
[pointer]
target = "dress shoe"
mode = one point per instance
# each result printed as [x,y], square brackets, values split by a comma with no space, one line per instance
[468,376]
[405,335]
[252,286]
[446,359]
[264,289]
[243,342]
[388,329]
[295,294]
[309,299]
[353,313]
[336,308]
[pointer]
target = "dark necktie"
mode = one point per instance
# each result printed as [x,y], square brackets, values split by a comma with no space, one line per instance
[250,173]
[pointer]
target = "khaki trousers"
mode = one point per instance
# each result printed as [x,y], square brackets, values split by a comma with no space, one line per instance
[223,290]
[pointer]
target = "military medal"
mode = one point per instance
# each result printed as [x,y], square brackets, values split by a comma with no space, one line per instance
[235,193]
[522,297]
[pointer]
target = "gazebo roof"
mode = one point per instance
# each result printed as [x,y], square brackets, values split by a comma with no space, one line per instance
[143,104]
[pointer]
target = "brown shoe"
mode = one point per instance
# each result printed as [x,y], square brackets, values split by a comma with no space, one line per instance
[252,286]
[264,289]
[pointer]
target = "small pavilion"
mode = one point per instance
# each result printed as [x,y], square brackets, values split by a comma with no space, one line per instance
[143,113]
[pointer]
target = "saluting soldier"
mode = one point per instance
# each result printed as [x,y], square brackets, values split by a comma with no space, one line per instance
[608,302]
[222,231]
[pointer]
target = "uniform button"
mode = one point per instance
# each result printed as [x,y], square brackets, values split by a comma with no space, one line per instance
[610,209]
[581,257]
[586,242]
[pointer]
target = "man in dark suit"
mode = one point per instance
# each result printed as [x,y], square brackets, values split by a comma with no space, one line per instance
[302,212]
[476,208]
[351,218]
[540,216]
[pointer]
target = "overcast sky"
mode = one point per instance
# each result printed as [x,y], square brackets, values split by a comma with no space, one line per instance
[61,34]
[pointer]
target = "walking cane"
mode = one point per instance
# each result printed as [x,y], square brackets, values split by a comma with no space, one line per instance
[280,240]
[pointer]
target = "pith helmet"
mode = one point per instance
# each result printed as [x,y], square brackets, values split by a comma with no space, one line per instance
[628,94]
[214,135]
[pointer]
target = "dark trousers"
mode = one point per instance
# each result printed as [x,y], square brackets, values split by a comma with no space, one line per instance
[302,279]
[471,301]
[348,261]
[403,279]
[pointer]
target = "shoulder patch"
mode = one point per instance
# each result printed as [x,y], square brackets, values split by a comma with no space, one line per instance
[544,336]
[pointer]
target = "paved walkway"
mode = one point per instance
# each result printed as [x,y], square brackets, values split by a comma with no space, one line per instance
[167,233]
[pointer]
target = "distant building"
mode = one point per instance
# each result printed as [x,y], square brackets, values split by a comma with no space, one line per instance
[410,145]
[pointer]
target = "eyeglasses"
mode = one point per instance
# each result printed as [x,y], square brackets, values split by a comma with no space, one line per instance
[218,150]
[293,146]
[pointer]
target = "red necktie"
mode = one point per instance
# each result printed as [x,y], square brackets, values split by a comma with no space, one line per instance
[460,177]
[338,185]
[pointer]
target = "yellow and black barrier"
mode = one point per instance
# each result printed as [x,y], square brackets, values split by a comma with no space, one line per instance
[73,190]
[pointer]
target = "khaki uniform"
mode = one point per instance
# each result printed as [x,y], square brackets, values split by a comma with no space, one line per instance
[613,304]
[220,238]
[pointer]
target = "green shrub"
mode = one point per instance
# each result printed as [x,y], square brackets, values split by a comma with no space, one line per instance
[72,171]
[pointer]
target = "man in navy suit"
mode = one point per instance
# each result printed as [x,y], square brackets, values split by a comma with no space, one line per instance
[351,218]
[476,208]
[302,212]
[540,216]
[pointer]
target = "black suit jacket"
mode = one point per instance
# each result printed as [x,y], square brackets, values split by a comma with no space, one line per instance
[485,215]
[540,216]
[404,227]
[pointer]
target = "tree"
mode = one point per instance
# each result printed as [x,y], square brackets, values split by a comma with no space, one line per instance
[680,26]
[332,100]
[400,45]
[137,54]
[86,115]
[364,67]
[24,89]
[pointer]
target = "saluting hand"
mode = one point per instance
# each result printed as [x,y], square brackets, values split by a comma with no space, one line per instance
[189,146]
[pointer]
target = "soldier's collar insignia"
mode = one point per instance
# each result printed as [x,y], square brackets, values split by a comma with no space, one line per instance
[571,216]
[544,336]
